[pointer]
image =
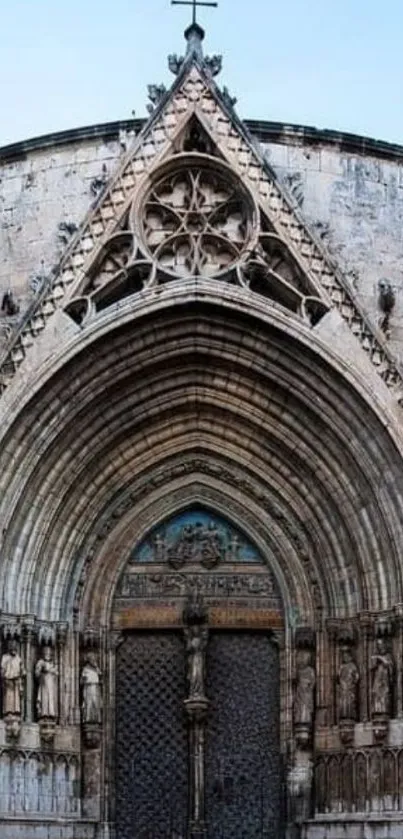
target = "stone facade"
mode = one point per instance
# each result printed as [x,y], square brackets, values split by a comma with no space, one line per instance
[203,394]
[349,190]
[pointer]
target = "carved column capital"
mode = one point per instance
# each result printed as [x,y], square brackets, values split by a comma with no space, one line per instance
[305,638]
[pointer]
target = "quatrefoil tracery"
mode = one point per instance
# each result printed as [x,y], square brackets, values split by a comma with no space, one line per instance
[197,220]
[194,217]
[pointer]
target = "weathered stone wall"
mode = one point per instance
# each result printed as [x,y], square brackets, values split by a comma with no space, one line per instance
[355,204]
[44,196]
[353,201]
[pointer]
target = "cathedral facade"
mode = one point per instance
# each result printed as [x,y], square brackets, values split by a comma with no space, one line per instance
[201,477]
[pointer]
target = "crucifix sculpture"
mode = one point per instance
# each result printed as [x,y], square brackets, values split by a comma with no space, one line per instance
[195,4]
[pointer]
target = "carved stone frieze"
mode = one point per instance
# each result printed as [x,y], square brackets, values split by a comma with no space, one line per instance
[39,782]
[217,585]
[359,781]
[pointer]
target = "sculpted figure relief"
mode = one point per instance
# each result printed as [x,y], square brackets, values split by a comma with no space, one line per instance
[305,689]
[196,641]
[12,678]
[46,672]
[348,679]
[382,667]
[91,706]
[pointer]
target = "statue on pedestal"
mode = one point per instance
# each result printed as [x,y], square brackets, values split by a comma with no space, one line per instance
[12,681]
[382,667]
[304,698]
[46,672]
[47,675]
[348,679]
[91,704]
[196,642]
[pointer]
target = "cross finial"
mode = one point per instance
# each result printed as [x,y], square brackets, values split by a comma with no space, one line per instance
[195,4]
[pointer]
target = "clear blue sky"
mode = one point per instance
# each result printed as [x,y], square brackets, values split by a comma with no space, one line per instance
[330,63]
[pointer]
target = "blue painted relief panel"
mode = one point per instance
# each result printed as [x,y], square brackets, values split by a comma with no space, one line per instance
[195,536]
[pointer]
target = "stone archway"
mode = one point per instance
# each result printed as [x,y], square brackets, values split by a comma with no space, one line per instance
[194,400]
[198,755]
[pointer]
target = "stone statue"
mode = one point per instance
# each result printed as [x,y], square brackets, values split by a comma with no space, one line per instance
[196,641]
[46,672]
[382,667]
[348,679]
[210,546]
[12,680]
[90,680]
[305,690]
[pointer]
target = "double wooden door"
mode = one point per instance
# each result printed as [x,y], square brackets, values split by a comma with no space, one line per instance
[242,764]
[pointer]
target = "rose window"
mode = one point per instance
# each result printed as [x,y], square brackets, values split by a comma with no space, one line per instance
[197,218]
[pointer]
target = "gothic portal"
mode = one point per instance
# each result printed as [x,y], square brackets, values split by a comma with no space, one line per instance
[198,686]
[201,483]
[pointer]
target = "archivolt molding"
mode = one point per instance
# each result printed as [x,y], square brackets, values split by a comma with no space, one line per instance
[228,386]
[59,538]
[195,95]
[178,493]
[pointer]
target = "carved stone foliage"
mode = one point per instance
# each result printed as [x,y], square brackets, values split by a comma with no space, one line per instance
[359,781]
[39,782]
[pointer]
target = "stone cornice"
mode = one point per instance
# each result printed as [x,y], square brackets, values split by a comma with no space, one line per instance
[264,130]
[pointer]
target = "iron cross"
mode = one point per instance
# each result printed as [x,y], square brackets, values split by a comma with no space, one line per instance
[194,4]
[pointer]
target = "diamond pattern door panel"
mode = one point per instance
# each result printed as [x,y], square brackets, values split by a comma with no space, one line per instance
[243,766]
[151,737]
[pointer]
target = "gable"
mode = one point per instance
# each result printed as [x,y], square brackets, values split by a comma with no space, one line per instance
[138,236]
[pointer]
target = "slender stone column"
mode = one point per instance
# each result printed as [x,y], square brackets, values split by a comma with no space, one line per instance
[196,710]
[366,626]
[196,706]
[62,634]
[29,637]
[399,658]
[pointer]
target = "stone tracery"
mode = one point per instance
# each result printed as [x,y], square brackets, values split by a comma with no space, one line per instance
[197,219]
